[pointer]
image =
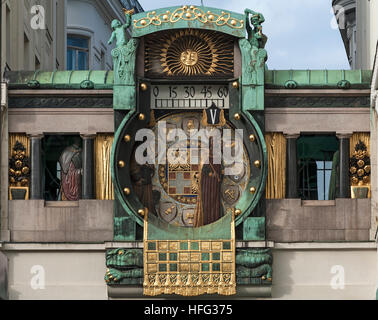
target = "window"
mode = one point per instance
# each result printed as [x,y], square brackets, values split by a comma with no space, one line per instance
[318,160]
[77,53]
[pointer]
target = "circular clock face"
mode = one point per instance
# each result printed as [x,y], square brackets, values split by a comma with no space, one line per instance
[185,181]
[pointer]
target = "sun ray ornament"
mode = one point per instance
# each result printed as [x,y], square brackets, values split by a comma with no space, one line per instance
[190,52]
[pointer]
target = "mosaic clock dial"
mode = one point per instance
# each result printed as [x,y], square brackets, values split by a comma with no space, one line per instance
[176,186]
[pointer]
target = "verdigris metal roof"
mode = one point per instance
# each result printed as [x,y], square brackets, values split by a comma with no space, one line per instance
[90,79]
[289,79]
[313,79]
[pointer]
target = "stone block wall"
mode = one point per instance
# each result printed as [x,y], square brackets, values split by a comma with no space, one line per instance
[294,220]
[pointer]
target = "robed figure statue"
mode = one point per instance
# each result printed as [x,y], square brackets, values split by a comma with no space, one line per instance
[209,208]
[71,170]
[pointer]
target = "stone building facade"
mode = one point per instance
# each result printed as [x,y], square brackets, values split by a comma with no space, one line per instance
[318,222]
[359,30]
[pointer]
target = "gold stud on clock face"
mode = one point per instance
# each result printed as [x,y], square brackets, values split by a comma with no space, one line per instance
[257,163]
[143,87]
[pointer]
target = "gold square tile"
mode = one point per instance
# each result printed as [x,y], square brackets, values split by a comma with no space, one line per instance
[205,245]
[163,245]
[151,257]
[152,268]
[195,256]
[184,267]
[195,267]
[184,256]
[173,246]
[227,256]
[226,267]
[216,245]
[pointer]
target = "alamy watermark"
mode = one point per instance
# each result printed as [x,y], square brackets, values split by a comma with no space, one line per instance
[171,146]
[338,280]
[38,281]
[38,21]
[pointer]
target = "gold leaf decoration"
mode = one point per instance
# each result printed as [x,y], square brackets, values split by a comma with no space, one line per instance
[189,52]
[189,13]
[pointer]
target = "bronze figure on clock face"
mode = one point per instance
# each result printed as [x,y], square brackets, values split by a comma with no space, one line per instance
[189,194]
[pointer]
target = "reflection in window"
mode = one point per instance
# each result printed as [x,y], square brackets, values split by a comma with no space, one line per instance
[77,53]
[318,161]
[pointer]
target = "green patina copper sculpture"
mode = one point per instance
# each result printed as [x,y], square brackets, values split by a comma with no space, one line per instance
[254,57]
[124,63]
[124,266]
[254,266]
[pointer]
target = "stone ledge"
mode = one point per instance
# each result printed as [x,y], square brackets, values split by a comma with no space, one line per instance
[370,245]
[242,291]
[53,247]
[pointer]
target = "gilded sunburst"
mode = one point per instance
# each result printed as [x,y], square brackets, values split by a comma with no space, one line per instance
[190,52]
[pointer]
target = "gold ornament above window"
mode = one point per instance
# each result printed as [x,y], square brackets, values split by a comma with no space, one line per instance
[189,53]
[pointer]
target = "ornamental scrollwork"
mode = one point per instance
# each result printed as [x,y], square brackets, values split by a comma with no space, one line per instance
[189,13]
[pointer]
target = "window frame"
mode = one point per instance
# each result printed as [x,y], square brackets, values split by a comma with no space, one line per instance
[79,49]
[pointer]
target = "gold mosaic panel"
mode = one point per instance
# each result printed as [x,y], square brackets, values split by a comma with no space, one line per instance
[189,267]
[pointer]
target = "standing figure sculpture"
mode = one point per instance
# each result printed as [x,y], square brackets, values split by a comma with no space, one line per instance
[209,207]
[253,53]
[255,36]
[124,59]
[119,30]
[71,170]
[124,53]
[254,57]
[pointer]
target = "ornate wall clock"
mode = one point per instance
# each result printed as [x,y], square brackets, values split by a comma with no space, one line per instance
[183,202]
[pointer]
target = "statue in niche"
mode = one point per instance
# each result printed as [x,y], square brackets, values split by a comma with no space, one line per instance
[253,53]
[71,170]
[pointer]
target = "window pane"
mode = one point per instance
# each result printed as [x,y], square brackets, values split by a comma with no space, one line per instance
[320,165]
[83,61]
[327,183]
[71,59]
[77,42]
[328,165]
[320,180]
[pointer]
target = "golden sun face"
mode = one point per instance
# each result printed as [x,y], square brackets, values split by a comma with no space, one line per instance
[189,57]
[189,52]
